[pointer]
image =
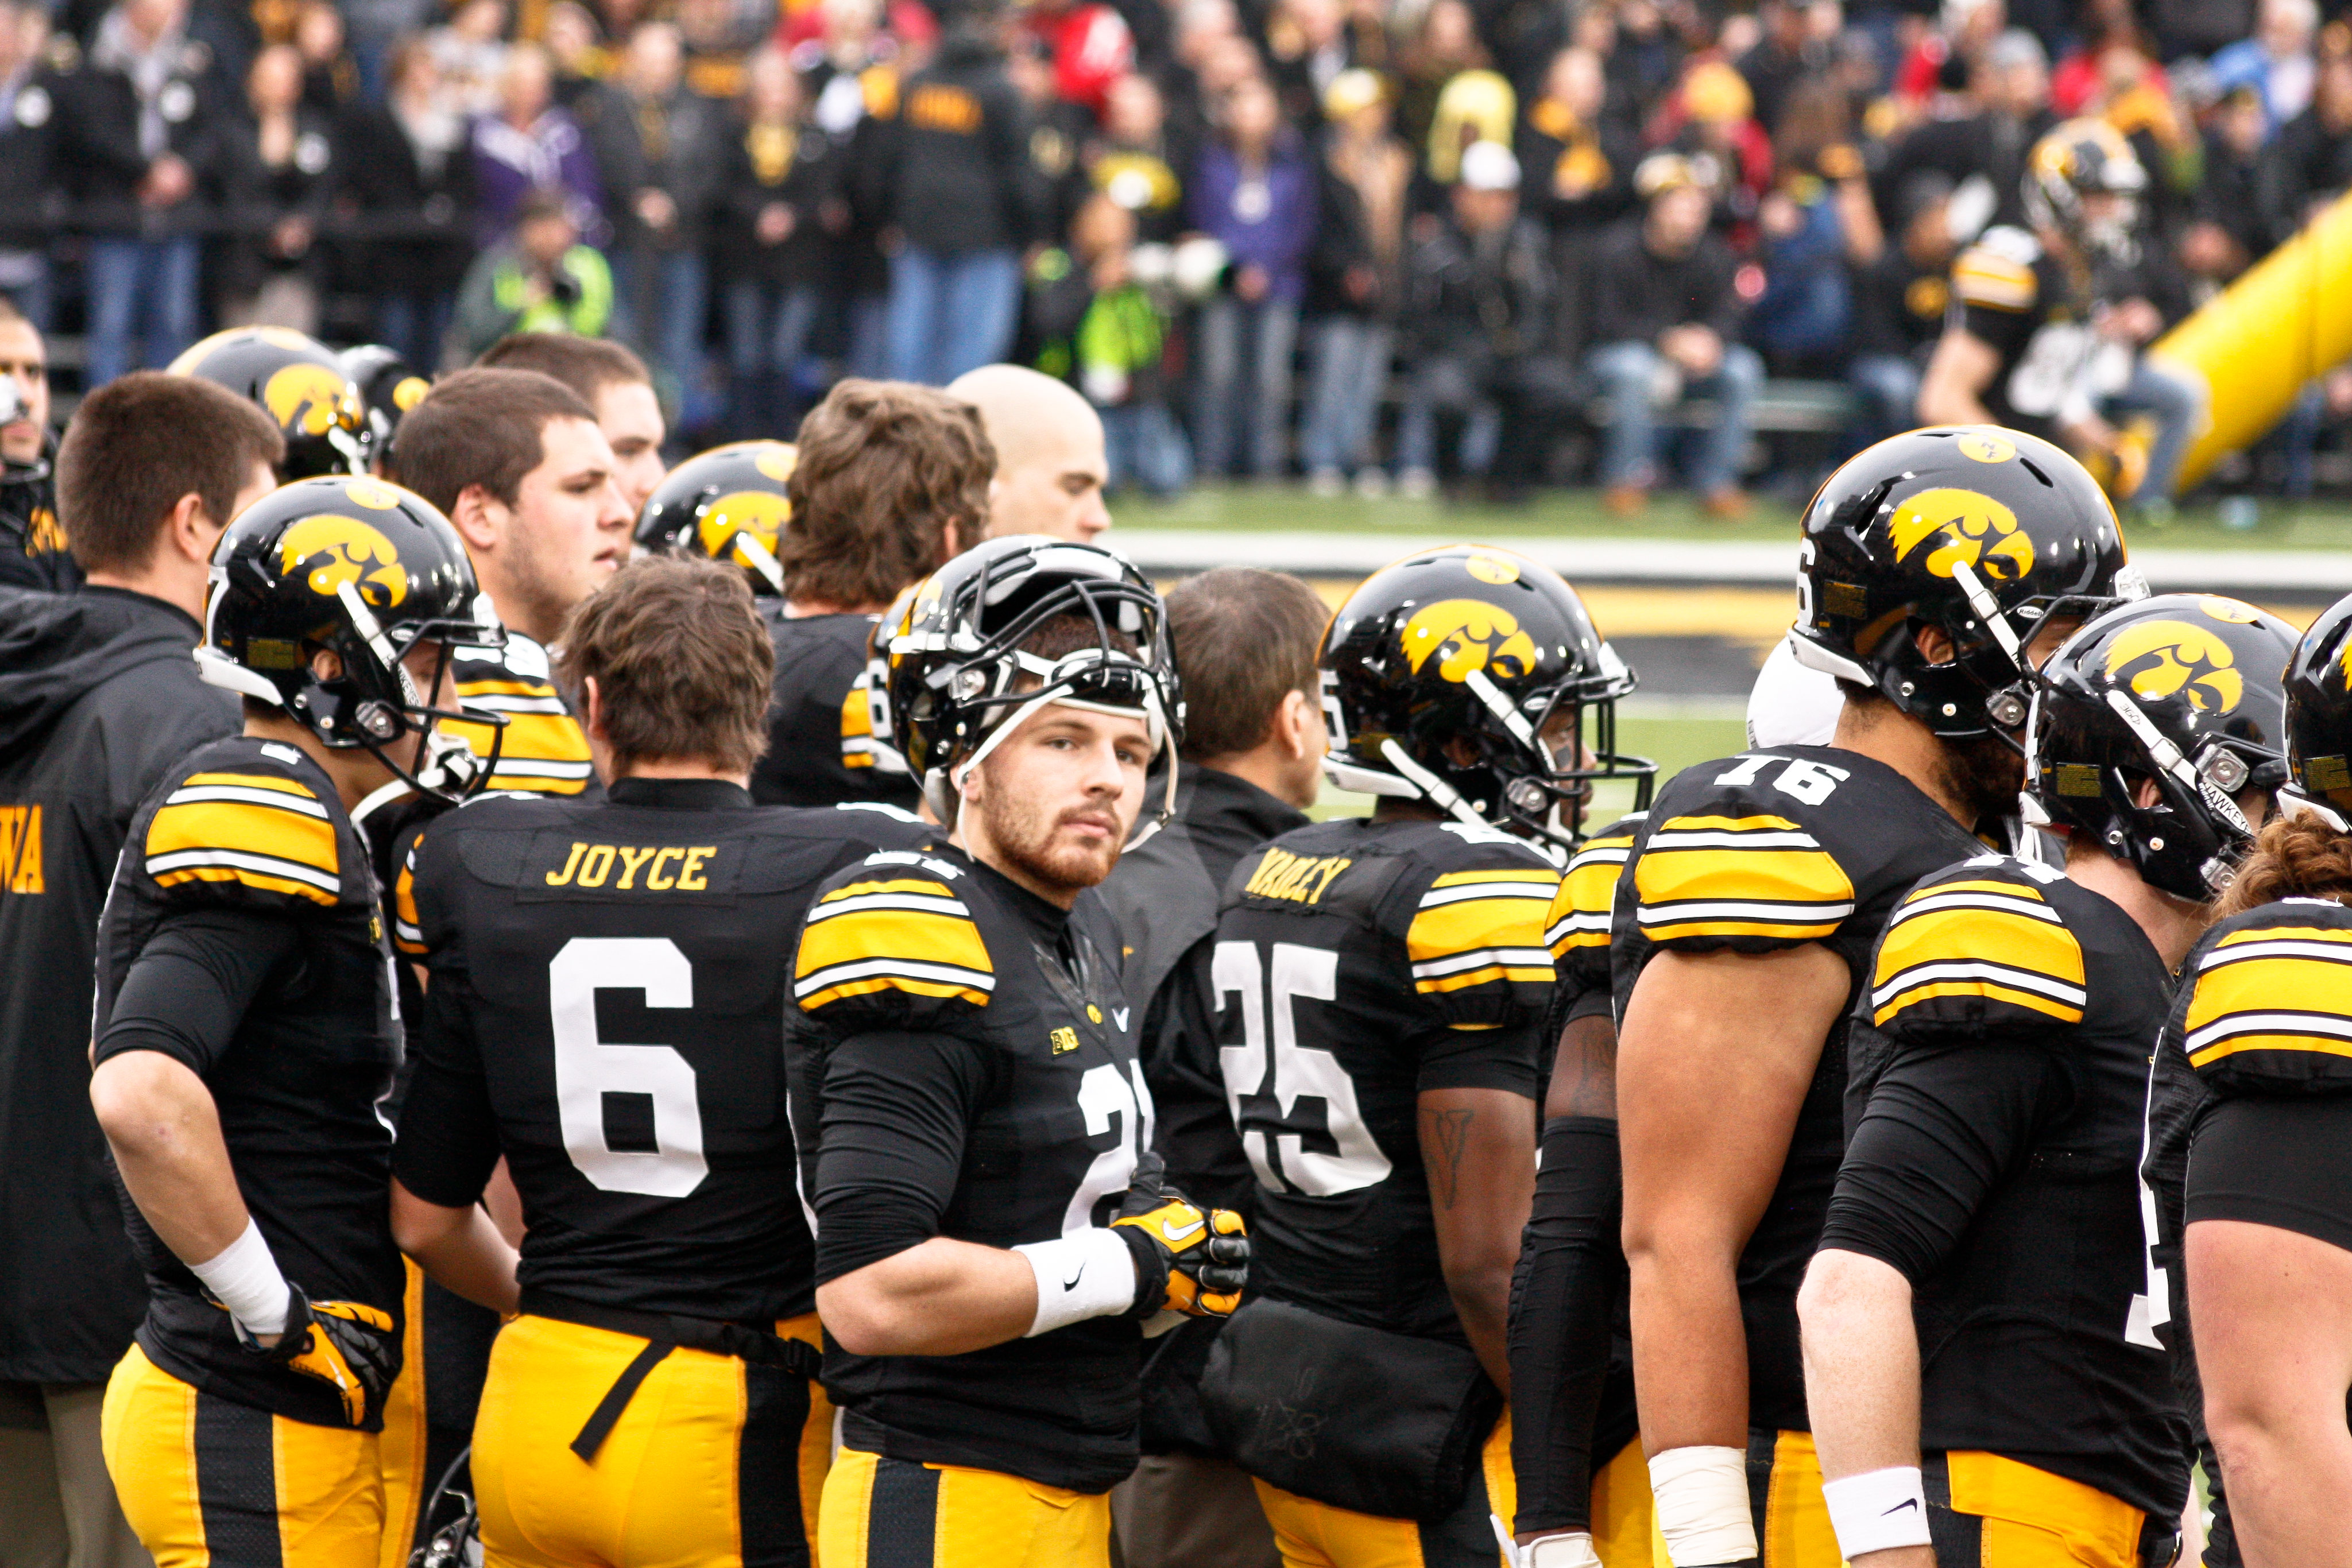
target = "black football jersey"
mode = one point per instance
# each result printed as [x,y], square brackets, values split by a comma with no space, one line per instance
[931,943]
[1578,931]
[2033,1334]
[2010,293]
[609,985]
[543,749]
[256,826]
[1358,964]
[821,747]
[1768,850]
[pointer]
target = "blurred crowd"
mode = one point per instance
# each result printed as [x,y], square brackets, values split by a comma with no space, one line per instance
[1385,244]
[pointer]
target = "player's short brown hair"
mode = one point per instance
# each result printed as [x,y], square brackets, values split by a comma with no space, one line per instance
[480,428]
[139,444]
[681,660]
[884,468]
[1245,639]
[587,365]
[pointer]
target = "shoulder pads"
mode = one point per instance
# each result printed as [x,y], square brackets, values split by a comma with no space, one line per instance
[891,944]
[248,831]
[1975,947]
[2270,1009]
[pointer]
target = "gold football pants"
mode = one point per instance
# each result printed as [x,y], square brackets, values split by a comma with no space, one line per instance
[897,1513]
[209,1483]
[2022,1517]
[715,1463]
[1312,1534]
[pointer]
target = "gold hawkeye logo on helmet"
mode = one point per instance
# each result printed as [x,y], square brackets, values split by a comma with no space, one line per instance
[308,398]
[1472,636]
[2163,658]
[755,512]
[332,551]
[1963,526]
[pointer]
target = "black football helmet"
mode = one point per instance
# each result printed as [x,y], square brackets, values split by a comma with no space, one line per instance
[1981,531]
[1485,647]
[2319,721]
[870,694]
[299,383]
[2081,158]
[367,569]
[729,504]
[955,679]
[388,387]
[2186,691]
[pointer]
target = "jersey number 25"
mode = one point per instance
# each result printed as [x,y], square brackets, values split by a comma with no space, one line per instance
[1265,1093]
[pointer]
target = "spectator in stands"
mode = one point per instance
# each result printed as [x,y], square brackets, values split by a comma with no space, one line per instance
[1898,308]
[852,85]
[1086,44]
[957,181]
[28,128]
[718,37]
[2276,62]
[1797,36]
[1818,224]
[2229,226]
[1577,163]
[1256,193]
[1135,160]
[543,279]
[278,168]
[1307,46]
[530,146]
[408,189]
[1666,313]
[2311,160]
[138,141]
[1117,338]
[470,51]
[2007,110]
[575,43]
[1477,312]
[330,76]
[1445,46]
[1710,118]
[657,150]
[778,177]
[1355,284]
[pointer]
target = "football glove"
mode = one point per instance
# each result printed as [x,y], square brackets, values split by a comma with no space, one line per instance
[348,1345]
[1188,1258]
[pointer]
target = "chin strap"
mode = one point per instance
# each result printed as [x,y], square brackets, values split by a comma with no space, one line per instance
[759,557]
[1154,716]
[1435,791]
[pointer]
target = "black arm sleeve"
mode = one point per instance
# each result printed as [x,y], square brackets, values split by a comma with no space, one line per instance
[1192,1126]
[1943,1126]
[890,1144]
[192,984]
[448,1142]
[1570,1273]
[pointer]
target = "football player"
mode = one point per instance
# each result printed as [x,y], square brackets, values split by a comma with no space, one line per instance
[300,384]
[656,1400]
[890,481]
[517,462]
[1382,983]
[966,1095]
[246,1025]
[1051,467]
[612,381]
[1245,642]
[1976,1386]
[2247,1114]
[1936,569]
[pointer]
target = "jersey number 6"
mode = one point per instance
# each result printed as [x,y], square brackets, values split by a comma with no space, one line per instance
[589,1070]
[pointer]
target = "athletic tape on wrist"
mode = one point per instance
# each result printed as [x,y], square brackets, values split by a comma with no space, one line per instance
[1877,1510]
[243,1278]
[1090,1275]
[1571,1549]
[1702,1505]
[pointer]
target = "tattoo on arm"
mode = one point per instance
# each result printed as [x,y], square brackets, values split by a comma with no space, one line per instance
[1449,1132]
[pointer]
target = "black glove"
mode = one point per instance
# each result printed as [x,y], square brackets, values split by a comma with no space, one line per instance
[348,1345]
[1188,1258]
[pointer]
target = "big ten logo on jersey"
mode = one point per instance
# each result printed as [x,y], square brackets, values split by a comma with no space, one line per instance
[20,848]
[1301,879]
[1810,782]
[559,865]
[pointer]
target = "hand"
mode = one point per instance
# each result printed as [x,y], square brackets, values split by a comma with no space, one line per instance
[656,210]
[1188,1260]
[1360,282]
[169,180]
[2131,320]
[291,237]
[774,225]
[349,1346]
[1696,349]
[1251,282]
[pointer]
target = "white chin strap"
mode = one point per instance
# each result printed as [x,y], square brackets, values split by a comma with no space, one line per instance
[760,558]
[1434,790]
[1155,721]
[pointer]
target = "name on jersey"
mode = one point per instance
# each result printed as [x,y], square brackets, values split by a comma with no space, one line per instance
[20,848]
[666,867]
[1302,879]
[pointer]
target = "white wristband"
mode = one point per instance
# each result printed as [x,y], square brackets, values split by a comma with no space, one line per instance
[243,1278]
[1877,1510]
[1090,1275]
[1702,1505]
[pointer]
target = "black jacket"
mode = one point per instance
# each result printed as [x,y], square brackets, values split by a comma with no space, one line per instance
[670,145]
[403,225]
[958,171]
[1165,894]
[98,698]
[1481,295]
[32,552]
[30,205]
[98,148]
[1637,295]
[799,167]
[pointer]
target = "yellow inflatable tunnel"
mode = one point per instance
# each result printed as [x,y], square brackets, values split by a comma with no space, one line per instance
[2287,318]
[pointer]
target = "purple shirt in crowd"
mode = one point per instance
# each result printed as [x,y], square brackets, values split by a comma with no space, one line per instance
[1266,220]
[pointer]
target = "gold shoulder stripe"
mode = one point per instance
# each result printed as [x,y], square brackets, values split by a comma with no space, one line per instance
[1579,916]
[407,933]
[1973,944]
[1980,277]
[856,729]
[2284,989]
[264,831]
[1477,927]
[1739,876]
[905,932]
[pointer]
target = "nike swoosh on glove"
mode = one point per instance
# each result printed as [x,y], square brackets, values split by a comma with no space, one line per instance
[1188,1258]
[349,1346]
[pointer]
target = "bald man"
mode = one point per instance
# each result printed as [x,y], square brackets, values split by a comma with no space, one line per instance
[1050,467]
